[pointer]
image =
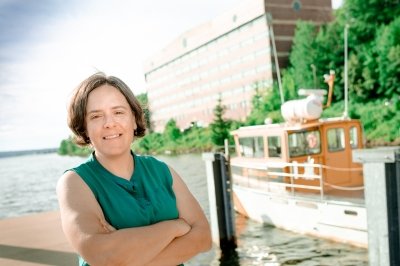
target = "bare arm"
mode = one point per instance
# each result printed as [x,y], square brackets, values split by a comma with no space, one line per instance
[85,227]
[197,240]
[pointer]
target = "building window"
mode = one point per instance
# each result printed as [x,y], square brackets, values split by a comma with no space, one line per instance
[296,5]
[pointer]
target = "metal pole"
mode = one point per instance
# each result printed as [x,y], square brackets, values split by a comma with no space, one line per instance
[226,146]
[278,73]
[314,69]
[221,203]
[346,89]
[321,182]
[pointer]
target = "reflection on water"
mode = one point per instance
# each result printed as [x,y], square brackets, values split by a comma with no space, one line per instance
[229,258]
[260,244]
[267,245]
[27,185]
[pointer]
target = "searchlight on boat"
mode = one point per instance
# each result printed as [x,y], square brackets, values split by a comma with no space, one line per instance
[311,107]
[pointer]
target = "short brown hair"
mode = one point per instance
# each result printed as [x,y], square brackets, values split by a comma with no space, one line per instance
[78,104]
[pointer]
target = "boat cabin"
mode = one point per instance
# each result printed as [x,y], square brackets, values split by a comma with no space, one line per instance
[305,149]
[328,143]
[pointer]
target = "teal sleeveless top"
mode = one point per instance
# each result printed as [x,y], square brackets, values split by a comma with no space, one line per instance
[145,199]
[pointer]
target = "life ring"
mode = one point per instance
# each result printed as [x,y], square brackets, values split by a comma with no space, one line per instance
[312,141]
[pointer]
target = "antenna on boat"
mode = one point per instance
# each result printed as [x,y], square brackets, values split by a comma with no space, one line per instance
[278,74]
[345,114]
[314,71]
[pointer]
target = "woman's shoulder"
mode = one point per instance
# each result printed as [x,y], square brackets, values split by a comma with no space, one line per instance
[74,175]
[68,178]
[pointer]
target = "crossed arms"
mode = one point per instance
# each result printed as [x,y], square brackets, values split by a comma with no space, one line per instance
[165,243]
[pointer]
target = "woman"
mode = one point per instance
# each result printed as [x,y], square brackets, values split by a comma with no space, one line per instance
[119,208]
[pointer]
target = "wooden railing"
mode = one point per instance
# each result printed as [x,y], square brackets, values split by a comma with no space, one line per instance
[273,177]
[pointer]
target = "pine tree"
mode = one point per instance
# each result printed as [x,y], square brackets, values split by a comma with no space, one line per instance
[219,127]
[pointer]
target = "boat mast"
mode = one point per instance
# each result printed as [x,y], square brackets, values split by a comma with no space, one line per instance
[278,74]
[346,89]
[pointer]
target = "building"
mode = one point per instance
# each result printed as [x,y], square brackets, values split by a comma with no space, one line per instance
[224,58]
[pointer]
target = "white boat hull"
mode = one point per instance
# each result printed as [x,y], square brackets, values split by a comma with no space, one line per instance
[335,220]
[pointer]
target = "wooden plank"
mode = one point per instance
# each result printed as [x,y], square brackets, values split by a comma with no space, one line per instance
[35,240]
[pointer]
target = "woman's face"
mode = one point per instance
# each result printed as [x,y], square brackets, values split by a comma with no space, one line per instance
[110,122]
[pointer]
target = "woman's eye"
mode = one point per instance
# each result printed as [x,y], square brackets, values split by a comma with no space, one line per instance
[119,112]
[94,116]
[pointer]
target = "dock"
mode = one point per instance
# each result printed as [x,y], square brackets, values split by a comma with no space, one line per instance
[35,239]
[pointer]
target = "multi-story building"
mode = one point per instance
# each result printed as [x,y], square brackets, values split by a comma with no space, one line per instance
[224,58]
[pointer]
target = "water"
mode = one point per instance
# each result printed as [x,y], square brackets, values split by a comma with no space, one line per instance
[27,185]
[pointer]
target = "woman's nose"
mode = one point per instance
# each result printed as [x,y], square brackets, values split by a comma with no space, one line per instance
[109,121]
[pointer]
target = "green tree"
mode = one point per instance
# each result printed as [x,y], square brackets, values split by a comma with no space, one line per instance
[150,143]
[142,98]
[329,45]
[365,15]
[69,147]
[63,149]
[219,126]
[266,102]
[388,59]
[303,54]
[289,89]
[171,131]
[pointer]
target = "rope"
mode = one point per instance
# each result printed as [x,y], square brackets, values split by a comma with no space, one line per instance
[343,188]
[341,169]
[344,170]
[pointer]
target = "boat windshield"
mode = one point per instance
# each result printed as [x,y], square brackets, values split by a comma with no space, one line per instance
[304,143]
[252,147]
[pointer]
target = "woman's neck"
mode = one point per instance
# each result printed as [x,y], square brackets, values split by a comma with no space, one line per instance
[122,165]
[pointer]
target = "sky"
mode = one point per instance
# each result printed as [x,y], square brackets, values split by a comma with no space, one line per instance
[48,47]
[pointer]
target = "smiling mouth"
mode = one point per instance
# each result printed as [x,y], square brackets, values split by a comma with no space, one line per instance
[112,136]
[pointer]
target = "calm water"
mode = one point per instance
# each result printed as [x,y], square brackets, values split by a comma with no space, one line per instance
[27,185]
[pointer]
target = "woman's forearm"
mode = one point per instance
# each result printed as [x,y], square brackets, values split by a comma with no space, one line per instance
[132,246]
[185,247]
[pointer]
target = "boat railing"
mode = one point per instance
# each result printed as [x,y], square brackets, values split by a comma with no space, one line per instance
[273,177]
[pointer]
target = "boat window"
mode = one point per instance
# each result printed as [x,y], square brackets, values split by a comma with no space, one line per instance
[252,147]
[336,139]
[353,137]
[274,146]
[304,143]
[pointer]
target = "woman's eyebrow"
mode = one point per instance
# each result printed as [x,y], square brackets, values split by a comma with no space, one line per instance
[119,106]
[93,111]
[114,107]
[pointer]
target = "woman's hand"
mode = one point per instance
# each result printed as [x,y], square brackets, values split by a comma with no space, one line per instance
[197,239]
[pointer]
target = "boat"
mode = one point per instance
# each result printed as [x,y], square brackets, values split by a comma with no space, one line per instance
[299,175]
